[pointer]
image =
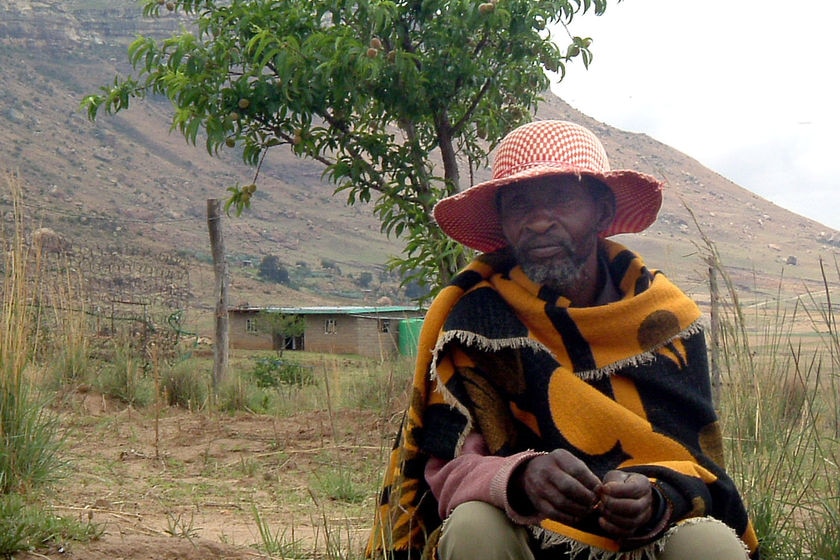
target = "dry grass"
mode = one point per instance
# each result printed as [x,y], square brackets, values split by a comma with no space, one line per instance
[293,471]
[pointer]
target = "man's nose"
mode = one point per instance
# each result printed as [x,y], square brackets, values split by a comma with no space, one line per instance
[541,220]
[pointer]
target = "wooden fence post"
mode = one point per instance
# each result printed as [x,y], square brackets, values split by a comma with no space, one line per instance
[221,347]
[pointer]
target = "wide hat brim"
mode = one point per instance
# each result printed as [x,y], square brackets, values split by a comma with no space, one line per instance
[472,218]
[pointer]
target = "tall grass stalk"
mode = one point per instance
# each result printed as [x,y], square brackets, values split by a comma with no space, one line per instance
[29,432]
[70,348]
[125,378]
[280,543]
[338,545]
[779,409]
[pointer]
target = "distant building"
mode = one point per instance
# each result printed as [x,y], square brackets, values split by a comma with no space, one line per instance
[373,332]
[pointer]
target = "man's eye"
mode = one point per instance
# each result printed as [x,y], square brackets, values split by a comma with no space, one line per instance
[564,199]
[515,204]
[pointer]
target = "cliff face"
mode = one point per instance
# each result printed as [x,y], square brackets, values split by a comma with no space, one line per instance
[57,24]
[37,24]
[125,179]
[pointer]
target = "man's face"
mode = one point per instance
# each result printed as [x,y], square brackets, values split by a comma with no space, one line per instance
[552,224]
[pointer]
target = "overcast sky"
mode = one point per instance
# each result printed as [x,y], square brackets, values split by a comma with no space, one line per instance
[749,88]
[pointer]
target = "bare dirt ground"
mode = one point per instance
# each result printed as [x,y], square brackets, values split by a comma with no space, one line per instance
[179,484]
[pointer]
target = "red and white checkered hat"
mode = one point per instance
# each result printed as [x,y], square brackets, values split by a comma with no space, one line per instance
[542,149]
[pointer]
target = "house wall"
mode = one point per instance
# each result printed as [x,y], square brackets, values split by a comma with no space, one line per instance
[239,337]
[342,341]
[373,343]
[353,334]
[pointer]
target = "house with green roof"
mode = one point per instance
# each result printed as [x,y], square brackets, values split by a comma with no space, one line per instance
[378,332]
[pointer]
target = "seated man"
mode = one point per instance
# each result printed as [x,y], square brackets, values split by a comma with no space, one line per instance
[561,405]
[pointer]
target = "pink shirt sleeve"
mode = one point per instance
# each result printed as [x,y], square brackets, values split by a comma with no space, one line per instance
[475,475]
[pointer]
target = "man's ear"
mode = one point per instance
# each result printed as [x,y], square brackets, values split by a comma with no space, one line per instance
[606,209]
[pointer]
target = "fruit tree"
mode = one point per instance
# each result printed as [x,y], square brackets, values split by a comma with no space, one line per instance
[400,100]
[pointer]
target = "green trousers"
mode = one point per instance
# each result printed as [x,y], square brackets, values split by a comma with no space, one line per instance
[477,530]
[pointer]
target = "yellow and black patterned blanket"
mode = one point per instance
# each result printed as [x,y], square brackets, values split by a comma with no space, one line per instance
[623,386]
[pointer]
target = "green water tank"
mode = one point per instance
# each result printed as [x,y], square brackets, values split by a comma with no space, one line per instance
[409,336]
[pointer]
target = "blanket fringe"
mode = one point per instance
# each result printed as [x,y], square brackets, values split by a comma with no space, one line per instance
[483,343]
[550,539]
[639,359]
[650,551]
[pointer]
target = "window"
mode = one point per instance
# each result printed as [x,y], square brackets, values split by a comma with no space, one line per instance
[384,325]
[329,326]
[251,326]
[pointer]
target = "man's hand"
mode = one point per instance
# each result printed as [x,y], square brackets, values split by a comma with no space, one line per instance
[559,486]
[626,503]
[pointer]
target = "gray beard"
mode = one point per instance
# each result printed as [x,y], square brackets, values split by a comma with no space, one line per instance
[558,275]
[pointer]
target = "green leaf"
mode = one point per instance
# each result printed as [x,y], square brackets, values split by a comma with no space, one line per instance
[443,81]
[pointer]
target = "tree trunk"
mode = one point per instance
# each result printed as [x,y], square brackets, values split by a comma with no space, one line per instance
[221,348]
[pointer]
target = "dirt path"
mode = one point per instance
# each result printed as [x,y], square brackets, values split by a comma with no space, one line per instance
[199,486]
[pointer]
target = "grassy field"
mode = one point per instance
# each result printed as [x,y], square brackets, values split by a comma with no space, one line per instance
[284,460]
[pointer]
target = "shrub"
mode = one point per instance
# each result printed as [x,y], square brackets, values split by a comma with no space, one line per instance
[235,395]
[29,439]
[186,385]
[272,372]
[125,378]
[272,270]
[338,484]
[23,527]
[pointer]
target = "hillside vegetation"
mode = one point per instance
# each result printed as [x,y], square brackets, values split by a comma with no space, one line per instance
[127,181]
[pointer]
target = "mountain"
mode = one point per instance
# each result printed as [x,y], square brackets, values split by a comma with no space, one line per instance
[126,181]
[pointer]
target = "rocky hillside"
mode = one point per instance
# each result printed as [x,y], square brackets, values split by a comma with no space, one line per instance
[126,181]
